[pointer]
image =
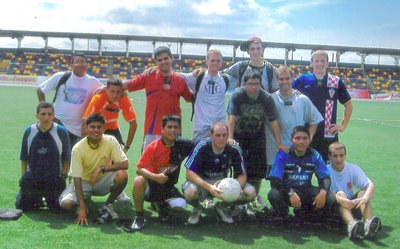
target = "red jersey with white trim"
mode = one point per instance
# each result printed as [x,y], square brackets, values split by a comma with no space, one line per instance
[161,100]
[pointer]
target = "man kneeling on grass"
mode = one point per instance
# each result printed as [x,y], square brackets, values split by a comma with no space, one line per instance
[158,172]
[354,208]
[98,167]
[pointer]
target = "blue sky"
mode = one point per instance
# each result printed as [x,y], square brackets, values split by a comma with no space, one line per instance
[335,22]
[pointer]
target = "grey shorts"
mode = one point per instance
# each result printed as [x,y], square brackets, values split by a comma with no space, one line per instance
[201,134]
[102,187]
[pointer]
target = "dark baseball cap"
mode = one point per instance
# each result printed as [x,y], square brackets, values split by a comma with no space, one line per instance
[245,45]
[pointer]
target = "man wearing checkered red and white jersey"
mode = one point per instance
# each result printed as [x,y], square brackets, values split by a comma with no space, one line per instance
[324,90]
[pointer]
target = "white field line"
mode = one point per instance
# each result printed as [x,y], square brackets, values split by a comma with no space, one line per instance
[381,122]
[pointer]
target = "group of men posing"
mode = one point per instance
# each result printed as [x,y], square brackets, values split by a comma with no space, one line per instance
[273,128]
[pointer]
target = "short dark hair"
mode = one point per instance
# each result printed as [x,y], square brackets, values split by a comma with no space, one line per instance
[95,118]
[252,75]
[162,49]
[79,55]
[113,81]
[173,118]
[300,128]
[44,105]
[219,122]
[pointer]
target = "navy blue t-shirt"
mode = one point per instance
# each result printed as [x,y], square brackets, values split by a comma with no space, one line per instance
[208,165]
[319,93]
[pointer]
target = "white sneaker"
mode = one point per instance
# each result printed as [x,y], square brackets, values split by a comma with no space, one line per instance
[372,227]
[258,203]
[223,213]
[110,209]
[123,197]
[194,217]
[208,203]
[355,229]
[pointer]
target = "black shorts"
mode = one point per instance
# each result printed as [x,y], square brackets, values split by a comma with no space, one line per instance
[117,134]
[322,145]
[161,193]
[32,191]
[254,156]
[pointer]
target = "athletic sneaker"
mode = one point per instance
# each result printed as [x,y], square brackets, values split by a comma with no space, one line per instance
[137,223]
[123,197]
[372,227]
[194,217]
[223,213]
[209,203]
[258,203]
[356,229]
[110,209]
[163,212]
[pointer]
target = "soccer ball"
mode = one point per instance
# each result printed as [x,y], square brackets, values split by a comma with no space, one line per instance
[230,188]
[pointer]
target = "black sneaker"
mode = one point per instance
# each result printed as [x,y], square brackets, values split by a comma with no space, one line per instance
[372,227]
[163,213]
[137,224]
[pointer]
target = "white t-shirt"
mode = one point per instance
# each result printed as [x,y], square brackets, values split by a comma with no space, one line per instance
[351,175]
[210,100]
[72,98]
[300,112]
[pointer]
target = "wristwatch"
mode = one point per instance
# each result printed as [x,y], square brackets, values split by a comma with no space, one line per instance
[103,169]
[291,192]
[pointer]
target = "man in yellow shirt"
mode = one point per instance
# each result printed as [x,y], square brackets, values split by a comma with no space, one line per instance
[98,167]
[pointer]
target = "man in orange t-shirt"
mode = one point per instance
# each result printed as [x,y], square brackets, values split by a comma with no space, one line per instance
[109,103]
[163,90]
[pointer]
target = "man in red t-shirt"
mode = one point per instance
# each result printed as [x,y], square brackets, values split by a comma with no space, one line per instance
[158,172]
[163,90]
[109,103]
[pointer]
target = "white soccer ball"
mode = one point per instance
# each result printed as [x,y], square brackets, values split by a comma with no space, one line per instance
[230,188]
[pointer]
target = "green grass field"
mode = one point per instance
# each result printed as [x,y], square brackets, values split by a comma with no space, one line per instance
[372,138]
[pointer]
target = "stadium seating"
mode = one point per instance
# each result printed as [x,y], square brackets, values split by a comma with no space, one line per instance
[377,78]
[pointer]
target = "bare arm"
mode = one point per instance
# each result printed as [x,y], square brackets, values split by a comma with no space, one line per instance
[312,129]
[231,125]
[131,134]
[41,96]
[242,179]
[65,167]
[82,216]
[196,179]
[367,196]
[348,110]
[160,178]
[277,135]
[24,165]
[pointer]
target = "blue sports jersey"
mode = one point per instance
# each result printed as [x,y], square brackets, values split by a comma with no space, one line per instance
[45,152]
[319,93]
[208,165]
[297,172]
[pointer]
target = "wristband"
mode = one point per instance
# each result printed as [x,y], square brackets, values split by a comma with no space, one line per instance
[103,169]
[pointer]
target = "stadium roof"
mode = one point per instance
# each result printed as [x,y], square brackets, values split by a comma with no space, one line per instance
[207,41]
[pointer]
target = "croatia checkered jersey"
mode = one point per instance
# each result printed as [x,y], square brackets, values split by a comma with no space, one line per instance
[297,172]
[330,88]
[205,163]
